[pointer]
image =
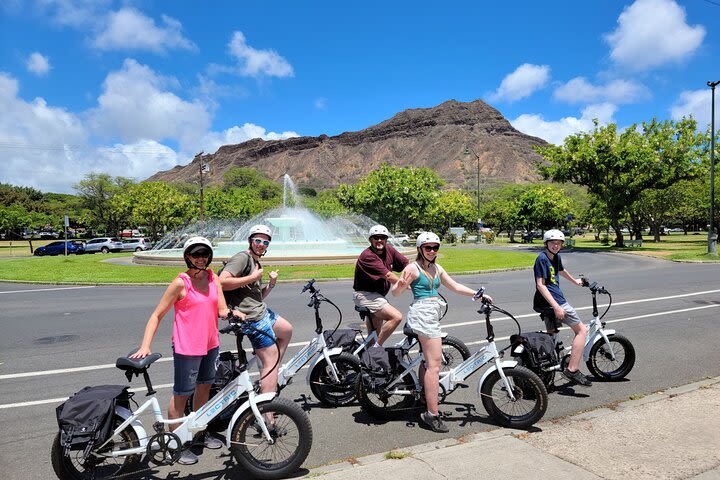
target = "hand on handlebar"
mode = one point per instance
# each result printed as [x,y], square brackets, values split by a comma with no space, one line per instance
[235,316]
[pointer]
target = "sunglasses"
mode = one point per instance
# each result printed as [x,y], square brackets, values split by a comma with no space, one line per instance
[260,241]
[431,248]
[379,237]
[200,254]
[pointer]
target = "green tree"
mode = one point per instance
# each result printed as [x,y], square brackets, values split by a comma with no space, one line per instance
[452,207]
[157,205]
[325,203]
[97,191]
[617,168]
[543,206]
[395,196]
[13,219]
[501,211]
[236,203]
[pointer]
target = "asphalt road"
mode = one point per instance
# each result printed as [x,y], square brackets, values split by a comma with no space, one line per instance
[56,340]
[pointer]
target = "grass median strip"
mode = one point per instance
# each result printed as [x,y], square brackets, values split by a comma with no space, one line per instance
[91,269]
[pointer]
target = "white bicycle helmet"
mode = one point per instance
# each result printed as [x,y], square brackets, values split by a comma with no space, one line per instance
[427,237]
[378,230]
[260,229]
[553,234]
[195,243]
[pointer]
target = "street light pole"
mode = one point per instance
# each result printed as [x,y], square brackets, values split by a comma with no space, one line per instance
[469,150]
[202,200]
[712,237]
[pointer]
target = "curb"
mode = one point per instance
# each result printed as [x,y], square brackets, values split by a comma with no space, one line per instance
[409,452]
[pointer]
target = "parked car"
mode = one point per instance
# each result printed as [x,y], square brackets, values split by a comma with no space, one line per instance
[135,245]
[58,248]
[401,238]
[103,245]
[48,235]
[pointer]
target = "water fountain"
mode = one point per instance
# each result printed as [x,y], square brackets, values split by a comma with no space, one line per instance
[299,235]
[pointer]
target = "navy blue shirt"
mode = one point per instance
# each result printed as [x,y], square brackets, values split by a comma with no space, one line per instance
[548,270]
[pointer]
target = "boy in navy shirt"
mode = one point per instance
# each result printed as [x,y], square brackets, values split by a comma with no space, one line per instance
[550,302]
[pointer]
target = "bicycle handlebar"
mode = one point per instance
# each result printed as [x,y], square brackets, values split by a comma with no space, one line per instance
[593,286]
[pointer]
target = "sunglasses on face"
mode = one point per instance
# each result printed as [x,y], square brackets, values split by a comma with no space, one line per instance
[431,248]
[201,254]
[260,241]
[379,237]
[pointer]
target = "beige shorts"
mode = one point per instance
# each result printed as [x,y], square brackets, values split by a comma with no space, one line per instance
[371,300]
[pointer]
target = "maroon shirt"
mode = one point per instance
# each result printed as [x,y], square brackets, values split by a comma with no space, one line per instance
[371,268]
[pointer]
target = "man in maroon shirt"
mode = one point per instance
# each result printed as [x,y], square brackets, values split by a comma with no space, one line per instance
[373,278]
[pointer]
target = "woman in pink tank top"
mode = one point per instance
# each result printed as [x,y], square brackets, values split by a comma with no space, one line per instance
[197,297]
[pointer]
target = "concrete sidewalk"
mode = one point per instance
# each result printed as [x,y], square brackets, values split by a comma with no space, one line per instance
[674,434]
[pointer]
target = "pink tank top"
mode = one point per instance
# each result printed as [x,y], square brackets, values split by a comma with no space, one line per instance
[195,331]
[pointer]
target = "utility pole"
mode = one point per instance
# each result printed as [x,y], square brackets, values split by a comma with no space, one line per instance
[203,169]
[712,237]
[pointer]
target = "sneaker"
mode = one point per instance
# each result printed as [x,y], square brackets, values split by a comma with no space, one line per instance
[434,422]
[577,378]
[187,458]
[211,442]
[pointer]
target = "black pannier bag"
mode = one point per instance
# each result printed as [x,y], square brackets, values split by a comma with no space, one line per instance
[226,371]
[342,337]
[539,349]
[378,365]
[86,418]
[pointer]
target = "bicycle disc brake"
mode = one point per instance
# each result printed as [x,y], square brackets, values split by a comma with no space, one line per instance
[164,448]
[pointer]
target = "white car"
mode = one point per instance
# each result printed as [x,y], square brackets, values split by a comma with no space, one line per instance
[103,245]
[401,238]
[135,245]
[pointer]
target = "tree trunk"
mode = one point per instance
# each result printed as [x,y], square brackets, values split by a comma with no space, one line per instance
[618,233]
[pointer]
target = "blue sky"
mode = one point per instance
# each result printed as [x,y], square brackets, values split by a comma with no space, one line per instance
[129,88]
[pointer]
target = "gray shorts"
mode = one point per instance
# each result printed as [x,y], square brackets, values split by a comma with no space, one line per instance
[424,317]
[571,318]
[373,301]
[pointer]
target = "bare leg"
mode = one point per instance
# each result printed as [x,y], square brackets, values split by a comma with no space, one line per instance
[432,352]
[177,408]
[283,333]
[386,321]
[202,395]
[578,344]
[269,357]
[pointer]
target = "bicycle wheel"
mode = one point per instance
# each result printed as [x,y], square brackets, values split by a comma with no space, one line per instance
[603,366]
[292,438]
[382,403]
[454,352]
[323,385]
[530,397]
[73,467]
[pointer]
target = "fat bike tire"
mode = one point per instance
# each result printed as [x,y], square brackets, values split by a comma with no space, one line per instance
[530,394]
[385,405]
[603,367]
[292,435]
[73,467]
[454,352]
[323,385]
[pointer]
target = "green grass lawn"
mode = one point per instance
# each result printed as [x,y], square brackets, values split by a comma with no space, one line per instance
[91,268]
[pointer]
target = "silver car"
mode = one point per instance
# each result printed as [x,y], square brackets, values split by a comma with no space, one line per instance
[103,245]
[135,245]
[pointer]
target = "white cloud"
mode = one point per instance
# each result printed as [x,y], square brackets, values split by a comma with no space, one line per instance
[133,106]
[579,90]
[523,82]
[234,135]
[128,29]
[556,131]
[38,64]
[256,63]
[320,103]
[697,103]
[73,13]
[652,33]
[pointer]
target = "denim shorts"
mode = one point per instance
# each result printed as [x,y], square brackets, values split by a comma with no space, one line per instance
[191,370]
[265,324]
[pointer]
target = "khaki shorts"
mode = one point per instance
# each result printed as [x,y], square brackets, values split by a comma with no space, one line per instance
[371,300]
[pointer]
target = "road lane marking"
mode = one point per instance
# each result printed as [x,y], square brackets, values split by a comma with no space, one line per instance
[169,385]
[445,326]
[47,289]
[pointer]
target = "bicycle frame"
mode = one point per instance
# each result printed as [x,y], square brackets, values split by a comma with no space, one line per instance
[196,421]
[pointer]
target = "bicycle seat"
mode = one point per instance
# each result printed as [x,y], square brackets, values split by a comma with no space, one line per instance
[408,332]
[363,311]
[136,364]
